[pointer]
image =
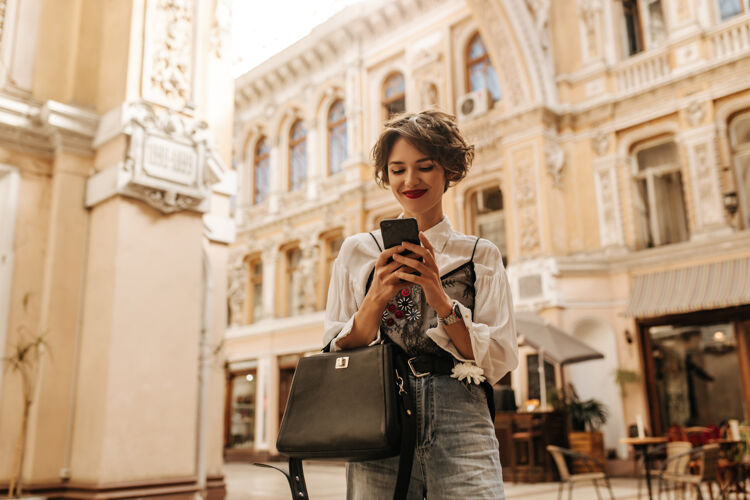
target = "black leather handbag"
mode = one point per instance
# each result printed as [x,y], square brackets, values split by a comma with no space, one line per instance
[349,405]
[343,405]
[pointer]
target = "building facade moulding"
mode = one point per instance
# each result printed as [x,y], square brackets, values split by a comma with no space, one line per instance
[45,128]
[170,161]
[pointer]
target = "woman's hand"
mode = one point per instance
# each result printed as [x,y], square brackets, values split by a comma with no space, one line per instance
[385,284]
[385,280]
[429,275]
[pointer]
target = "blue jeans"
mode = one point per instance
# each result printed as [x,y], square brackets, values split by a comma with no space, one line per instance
[456,454]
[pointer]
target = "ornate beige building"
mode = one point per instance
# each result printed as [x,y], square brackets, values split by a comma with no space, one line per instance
[115,186]
[612,169]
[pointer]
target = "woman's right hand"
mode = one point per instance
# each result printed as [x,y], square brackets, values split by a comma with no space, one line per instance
[385,284]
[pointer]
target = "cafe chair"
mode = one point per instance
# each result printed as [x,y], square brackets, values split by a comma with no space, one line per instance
[526,438]
[595,471]
[659,454]
[676,470]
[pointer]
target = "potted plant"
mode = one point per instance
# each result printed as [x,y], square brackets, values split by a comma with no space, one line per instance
[625,377]
[586,416]
[24,360]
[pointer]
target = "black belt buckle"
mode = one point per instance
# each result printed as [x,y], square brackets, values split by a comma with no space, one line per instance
[414,370]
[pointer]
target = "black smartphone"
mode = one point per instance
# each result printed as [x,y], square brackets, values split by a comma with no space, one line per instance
[395,231]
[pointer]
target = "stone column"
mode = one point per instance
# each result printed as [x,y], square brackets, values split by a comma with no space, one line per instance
[267,404]
[159,152]
[277,176]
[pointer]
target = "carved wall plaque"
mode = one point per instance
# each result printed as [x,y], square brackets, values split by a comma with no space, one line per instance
[170,162]
[165,159]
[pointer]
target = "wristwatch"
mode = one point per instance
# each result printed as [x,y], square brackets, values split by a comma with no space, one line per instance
[454,315]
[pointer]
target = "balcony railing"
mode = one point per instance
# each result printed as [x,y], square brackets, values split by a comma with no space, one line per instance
[643,70]
[731,39]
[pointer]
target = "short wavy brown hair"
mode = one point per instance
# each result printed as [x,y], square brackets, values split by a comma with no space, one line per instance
[435,134]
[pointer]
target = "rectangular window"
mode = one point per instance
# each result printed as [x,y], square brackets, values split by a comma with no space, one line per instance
[658,199]
[730,8]
[532,367]
[632,26]
[489,218]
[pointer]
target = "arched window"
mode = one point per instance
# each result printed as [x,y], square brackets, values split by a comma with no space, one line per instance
[479,70]
[659,203]
[297,156]
[261,171]
[336,137]
[394,95]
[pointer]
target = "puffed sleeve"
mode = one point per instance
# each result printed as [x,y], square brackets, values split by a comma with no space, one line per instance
[345,294]
[492,327]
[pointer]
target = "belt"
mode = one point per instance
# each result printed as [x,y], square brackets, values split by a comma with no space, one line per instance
[426,364]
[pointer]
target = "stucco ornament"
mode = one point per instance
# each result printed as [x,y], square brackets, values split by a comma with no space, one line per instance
[221,27]
[539,10]
[2,16]
[696,111]
[309,276]
[167,63]
[170,161]
[601,142]
[236,286]
[590,10]
[468,372]
[555,159]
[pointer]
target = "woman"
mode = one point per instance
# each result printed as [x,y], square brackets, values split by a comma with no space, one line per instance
[453,316]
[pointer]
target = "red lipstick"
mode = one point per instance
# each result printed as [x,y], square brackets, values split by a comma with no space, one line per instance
[415,193]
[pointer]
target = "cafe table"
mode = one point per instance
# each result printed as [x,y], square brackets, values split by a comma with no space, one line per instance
[641,445]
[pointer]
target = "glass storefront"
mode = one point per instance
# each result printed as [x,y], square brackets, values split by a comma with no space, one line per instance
[242,410]
[696,374]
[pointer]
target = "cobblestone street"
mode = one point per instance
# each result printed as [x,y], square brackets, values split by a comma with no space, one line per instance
[327,482]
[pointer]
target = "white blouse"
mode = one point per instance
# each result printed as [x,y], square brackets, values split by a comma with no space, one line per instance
[491,330]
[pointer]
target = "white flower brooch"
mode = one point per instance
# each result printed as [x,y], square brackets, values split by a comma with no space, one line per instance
[468,372]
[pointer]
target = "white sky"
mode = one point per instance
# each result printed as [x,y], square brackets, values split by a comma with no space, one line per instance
[261,28]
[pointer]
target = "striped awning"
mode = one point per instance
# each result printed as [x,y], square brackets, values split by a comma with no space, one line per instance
[695,288]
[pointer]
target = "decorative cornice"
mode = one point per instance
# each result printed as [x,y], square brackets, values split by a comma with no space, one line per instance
[44,128]
[722,245]
[350,28]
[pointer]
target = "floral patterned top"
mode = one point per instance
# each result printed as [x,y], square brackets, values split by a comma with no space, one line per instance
[480,286]
[407,316]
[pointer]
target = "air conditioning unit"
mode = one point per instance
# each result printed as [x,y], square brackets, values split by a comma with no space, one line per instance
[473,104]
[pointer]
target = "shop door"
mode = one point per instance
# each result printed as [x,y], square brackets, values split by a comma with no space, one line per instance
[240,410]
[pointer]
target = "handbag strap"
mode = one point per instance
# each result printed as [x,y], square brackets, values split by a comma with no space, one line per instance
[408,429]
[295,477]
